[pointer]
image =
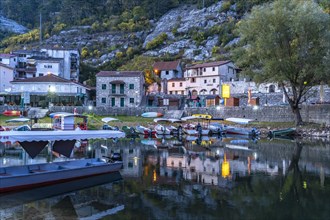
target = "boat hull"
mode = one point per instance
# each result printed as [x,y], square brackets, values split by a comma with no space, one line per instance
[20,178]
[11,113]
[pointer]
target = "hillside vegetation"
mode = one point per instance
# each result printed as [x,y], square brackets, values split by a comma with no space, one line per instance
[130,34]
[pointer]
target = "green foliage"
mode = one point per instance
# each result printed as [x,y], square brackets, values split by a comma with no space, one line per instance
[58,27]
[287,43]
[225,6]
[157,41]
[84,52]
[31,36]
[198,36]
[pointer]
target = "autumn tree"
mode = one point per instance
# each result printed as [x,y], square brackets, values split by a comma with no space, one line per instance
[286,42]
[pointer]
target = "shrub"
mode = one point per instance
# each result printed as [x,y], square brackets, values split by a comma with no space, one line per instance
[156,41]
[225,6]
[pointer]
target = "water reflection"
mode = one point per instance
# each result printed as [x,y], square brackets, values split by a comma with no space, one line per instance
[189,178]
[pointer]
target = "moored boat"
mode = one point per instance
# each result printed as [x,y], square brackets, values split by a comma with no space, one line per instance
[18,178]
[241,131]
[282,132]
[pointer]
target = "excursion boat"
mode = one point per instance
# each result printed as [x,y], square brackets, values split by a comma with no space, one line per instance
[282,132]
[17,178]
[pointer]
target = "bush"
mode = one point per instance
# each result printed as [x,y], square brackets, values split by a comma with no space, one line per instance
[156,41]
[225,6]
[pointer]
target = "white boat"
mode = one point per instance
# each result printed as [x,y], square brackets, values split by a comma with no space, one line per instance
[144,130]
[28,176]
[199,129]
[162,130]
[169,125]
[239,120]
[241,131]
[24,177]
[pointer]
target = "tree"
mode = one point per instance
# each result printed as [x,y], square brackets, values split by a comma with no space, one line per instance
[286,42]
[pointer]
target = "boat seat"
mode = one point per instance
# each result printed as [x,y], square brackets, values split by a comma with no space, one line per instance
[35,169]
[3,172]
[18,170]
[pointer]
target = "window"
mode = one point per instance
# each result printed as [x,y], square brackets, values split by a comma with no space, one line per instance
[122,102]
[104,86]
[213,80]
[104,100]
[131,100]
[167,72]
[0,59]
[131,86]
[113,89]
[113,102]
[193,80]
[213,69]
[205,81]
[48,66]
[173,84]
[182,92]
[204,69]
[171,92]
[41,74]
[121,88]
[180,84]
[176,92]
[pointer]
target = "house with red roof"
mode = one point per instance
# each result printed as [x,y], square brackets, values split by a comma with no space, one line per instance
[168,69]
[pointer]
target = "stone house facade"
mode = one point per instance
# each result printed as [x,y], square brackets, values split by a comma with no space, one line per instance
[119,88]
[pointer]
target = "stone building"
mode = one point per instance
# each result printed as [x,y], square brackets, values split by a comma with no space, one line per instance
[119,88]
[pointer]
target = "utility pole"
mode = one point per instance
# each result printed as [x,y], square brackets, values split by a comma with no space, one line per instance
[40,33]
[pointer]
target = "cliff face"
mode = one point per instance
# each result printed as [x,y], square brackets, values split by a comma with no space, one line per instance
[11,26]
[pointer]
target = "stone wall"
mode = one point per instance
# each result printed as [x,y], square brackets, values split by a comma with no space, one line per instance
[310,113]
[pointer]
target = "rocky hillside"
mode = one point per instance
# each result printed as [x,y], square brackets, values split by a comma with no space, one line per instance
[11,26]
[191,34]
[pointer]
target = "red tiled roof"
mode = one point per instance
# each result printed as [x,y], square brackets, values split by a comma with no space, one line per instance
[119,73]
[211,64]
[169,65]
[176,79]
[49,78]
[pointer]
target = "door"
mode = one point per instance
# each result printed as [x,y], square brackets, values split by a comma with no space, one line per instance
[122,102]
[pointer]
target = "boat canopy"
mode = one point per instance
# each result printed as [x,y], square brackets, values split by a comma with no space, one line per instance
[29,136]
[34,142]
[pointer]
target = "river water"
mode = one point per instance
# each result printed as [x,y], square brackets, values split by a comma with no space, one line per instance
[170,178]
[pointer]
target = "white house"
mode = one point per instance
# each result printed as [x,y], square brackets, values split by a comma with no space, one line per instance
[8,59]
[46,65]
[71,59]
[168,70]
[206,78]
[6,76]
[61,91]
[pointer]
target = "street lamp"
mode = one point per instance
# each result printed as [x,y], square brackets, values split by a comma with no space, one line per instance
[51,90]
[266,95]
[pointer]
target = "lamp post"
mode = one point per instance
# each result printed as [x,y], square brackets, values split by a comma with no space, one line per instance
[51,90]
[266,95]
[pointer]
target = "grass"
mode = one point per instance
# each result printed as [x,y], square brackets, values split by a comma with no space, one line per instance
[95,122]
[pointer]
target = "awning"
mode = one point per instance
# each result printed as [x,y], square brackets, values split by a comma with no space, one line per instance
[117,82]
